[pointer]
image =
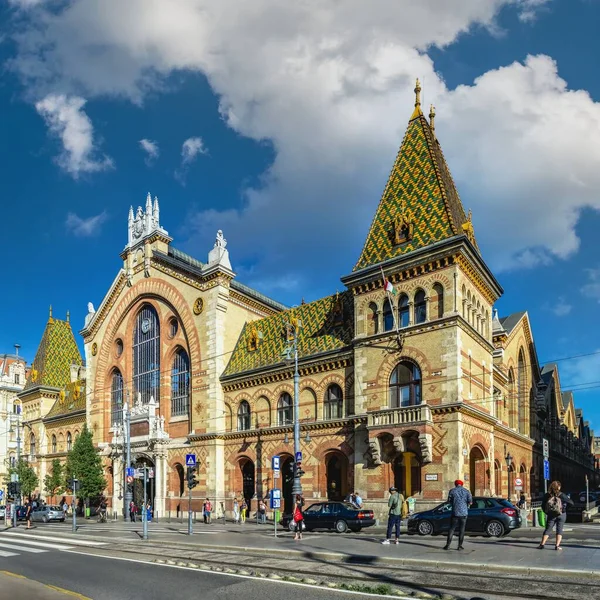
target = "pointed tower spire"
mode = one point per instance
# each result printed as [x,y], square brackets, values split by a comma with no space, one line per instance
[130,217]
[68,316]
[432,119]
[417,112]
[148,204]
[156,211]
[50,312]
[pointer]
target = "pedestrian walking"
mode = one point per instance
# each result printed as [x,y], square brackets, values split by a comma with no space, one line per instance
[28,511]
[148,512]
[206,511]
[132,511]
[65,508]
[236,511]
[298,517]
[357,500]
[461,499]
[243,510]
[395,503]
[262,512]
[555,506]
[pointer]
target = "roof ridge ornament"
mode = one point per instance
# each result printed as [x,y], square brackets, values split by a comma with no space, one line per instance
[432,120]
[417,112]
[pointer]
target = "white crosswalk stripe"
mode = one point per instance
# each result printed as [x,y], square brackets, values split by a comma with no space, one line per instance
[13,543]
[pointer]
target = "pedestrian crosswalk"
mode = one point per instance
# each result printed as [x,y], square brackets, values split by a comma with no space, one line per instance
[15,543]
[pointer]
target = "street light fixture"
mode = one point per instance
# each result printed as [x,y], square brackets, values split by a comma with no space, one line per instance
[509,459]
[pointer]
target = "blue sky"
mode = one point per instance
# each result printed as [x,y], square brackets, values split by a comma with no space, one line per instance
[292,117]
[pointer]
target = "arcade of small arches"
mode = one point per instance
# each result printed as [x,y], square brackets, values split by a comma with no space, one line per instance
[405,311]
[146,360]
[62,442]
[475,313]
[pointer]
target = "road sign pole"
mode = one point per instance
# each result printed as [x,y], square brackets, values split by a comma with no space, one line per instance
[74,506]
[145,509]
[128,496]
[190,526]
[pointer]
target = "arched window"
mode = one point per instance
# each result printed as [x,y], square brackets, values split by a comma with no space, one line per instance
[180,384]
[405,385]
[116,398]
[243,416]
[420,307]
[372,319]
[284,409]
[334,402]
[388,316]
[403,311]
[438,301]
[512,413]
[146,355]
[32,447]
[69,441]
[522,394]
[53,444]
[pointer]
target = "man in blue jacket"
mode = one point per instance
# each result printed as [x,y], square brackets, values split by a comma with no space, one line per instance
[460,499]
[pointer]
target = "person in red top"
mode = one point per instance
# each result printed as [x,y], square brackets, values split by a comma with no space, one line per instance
[207,510]
[299,516]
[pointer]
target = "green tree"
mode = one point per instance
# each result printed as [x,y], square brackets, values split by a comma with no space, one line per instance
[27,477]
[84,463]
[54,481]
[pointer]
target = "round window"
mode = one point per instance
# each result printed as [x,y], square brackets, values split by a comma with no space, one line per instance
[119,347]
[173,327]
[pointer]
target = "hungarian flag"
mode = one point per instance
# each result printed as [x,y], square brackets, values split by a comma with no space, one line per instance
[388,286]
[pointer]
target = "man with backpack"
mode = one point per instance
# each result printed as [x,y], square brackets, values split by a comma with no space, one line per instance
[555,506]
[396,506]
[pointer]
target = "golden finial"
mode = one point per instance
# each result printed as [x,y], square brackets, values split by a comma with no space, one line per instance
[432,119]
[417,112]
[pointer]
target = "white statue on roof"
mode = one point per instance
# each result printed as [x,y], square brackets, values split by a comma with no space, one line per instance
[219,255]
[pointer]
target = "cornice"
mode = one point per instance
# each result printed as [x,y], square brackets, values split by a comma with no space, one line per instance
[65,419]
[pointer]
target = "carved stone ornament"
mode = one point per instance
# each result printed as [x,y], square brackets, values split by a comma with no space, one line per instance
[198,306]
[253,339]
[374,452]
[403,227]
[398,444]
[426,443]
[94,349]
[468,229]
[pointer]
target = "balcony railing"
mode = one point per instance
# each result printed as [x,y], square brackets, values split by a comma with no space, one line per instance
[406,415]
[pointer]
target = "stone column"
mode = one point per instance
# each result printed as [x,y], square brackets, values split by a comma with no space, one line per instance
[118,476]
[161,476]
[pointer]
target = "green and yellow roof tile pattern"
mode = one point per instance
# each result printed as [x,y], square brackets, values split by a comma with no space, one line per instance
[421,190]
[70,400]
[56,353]
[327,324]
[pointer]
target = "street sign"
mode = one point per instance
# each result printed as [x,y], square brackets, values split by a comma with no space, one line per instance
[1,494]
[275,498]
[547,470]
[298,457]
[276,474]
[139,473]
[150,473]
[546,448]
[518,483]
[129,471]
[129,478]
[275,463]
[190,460]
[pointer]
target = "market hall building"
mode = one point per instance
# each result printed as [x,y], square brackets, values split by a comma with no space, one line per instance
[408,377]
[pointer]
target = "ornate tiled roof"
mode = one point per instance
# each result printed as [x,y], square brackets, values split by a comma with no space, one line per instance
[327,324]
[70,400]
[420,204]
[56,353]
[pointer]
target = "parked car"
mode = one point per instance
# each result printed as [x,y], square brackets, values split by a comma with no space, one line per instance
[21,512]
[45,514]
[340,516]
[493,517]
[2,511]
[594,497]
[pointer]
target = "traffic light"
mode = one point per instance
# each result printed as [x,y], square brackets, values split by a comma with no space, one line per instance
[298,471]
[73,485]
[191,478]
[13,488]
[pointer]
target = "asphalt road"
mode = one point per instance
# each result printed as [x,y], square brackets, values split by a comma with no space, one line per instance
[99,578]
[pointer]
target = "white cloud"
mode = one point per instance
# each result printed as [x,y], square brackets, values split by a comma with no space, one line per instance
[85,227]
[561,308]
[151,150]
[528,9]
[66,119]
[329,84]
[592,288]
[191,148]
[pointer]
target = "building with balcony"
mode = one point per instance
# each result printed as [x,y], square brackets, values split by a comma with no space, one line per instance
[408,377]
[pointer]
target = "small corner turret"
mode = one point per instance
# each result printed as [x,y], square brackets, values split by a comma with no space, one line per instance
[145,223]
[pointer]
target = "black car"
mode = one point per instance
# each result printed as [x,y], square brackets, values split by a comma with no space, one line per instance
[340,516]
[493,517]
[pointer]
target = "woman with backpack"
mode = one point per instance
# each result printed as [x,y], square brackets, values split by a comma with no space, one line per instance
[298,517]
[555,506]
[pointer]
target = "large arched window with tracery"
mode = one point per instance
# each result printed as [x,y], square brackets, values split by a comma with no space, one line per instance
[284,410]
[180,384]
[146,355]
[116,398]
[405,385]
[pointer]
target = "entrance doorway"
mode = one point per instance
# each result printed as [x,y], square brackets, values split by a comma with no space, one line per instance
[337,477]
[477,471]
[248,482]
[407,474]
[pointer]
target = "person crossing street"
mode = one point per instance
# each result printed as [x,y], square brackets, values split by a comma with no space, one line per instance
[461,499]
[395,504]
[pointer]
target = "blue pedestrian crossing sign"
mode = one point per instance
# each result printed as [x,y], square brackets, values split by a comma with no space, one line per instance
[129,471]
[298,457]
[190,460]
[547,470]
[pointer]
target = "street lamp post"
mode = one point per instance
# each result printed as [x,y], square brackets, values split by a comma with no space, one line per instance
[297,485]
[127,455]
[17,501]
[509,460]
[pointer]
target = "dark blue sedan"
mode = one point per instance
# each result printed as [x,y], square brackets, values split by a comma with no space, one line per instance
[493,517]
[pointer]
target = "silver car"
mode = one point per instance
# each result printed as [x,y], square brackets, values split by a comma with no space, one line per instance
[45,514]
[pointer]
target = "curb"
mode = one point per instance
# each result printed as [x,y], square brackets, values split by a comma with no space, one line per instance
[367,559]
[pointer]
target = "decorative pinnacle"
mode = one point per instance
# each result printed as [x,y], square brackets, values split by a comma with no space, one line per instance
[68,316]
[432,118]
[50,312]
[417,112]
